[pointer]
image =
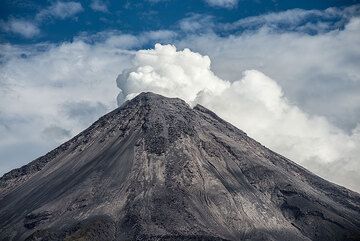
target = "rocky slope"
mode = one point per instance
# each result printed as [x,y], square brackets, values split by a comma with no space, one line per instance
[156,169]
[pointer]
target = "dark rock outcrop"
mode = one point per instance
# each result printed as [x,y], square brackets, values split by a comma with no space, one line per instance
[156,169]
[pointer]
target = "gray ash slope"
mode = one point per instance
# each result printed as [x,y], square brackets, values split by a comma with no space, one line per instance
[156,169]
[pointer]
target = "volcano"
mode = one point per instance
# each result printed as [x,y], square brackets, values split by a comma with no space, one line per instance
[157,169]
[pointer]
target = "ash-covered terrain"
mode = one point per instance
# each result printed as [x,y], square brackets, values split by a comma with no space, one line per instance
[157,169]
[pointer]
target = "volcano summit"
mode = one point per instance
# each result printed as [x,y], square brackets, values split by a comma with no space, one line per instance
[157,169]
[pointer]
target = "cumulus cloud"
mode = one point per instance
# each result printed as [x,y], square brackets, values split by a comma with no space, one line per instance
[255,103]
[60,10]
[318,72]
[164,70]
[24,28]
[222,3]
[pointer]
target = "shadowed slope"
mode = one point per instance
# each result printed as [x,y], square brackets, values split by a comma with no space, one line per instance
[156,169]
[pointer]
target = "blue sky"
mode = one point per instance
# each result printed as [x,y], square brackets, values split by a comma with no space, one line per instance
[57,21]
[285,72]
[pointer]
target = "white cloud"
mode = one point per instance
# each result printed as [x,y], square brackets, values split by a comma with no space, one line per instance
[30,28]
[197,23]
[318,72]
[222,3]
[55,90]
[60,10]
[299,20]
[128,41]
[24,28]
[164,70]
[159,35]
[292,20]
[255,103]
[99,6]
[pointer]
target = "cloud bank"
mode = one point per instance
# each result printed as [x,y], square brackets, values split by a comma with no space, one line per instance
[318,72]
[254,103]
[40,107]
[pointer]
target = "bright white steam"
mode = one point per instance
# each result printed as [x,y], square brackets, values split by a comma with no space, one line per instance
[255,103]
[171,73]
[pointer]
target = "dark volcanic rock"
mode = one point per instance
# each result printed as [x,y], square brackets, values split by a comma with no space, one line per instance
[156,169]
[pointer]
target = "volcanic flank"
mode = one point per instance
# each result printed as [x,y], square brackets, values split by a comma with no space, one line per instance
[156,169]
